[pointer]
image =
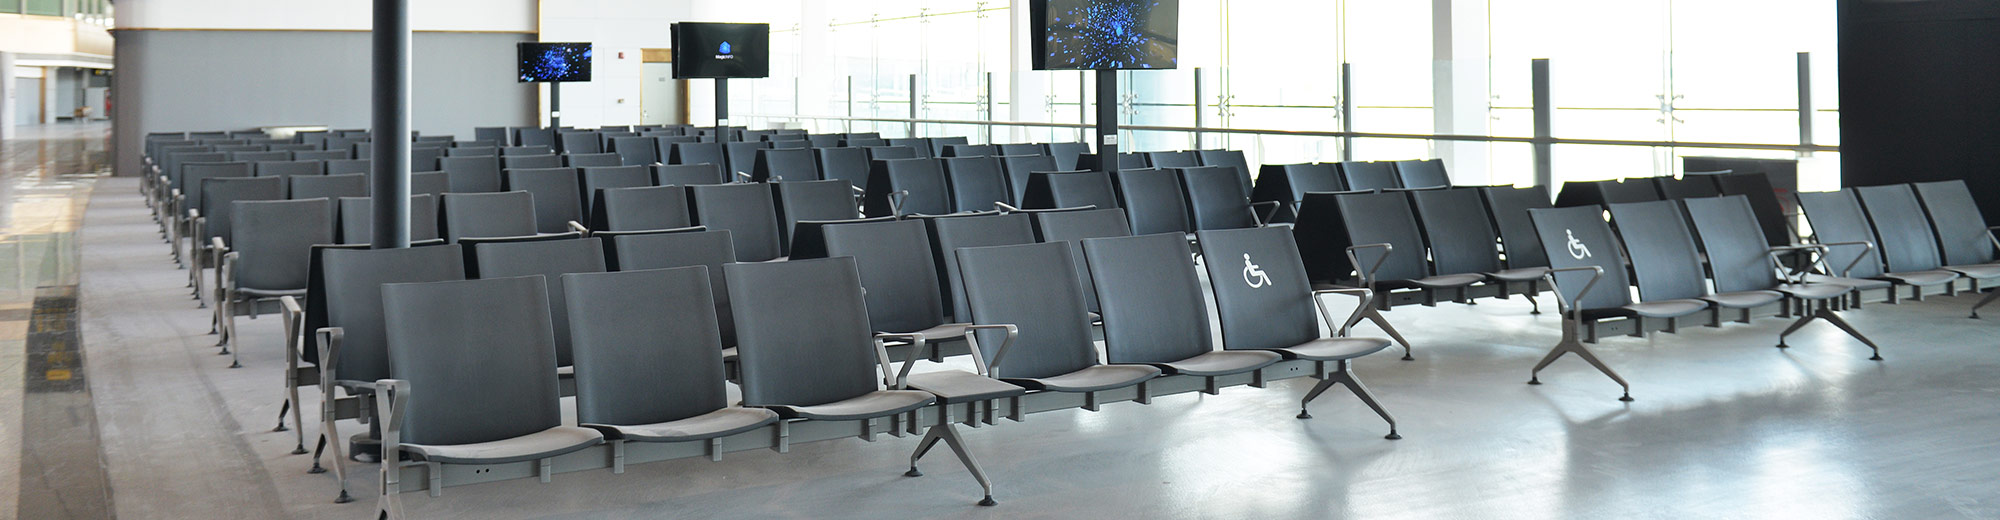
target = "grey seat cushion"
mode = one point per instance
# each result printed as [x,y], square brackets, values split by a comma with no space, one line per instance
[1520,275]
[1857,283]
[1335,349]
[1815,291]
[719,423]
[941,332]
[1922,278]
[1091,379]
[1666,308]
[1744,299]
[539,445]
[1448,281]
[1980,271]
[959,386]
[1224,362]
[880,403]
[270,293]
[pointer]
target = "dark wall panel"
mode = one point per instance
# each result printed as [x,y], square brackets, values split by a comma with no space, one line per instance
[1918,81]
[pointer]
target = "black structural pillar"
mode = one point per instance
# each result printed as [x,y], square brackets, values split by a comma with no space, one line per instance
[1916,95]
[391,125]
[1107,120]
[722,111]
[1544,120]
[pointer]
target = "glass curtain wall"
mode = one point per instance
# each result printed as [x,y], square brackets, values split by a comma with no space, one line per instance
[1642,70]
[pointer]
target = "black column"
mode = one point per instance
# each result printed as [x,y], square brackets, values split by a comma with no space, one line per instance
[391,125]
[1107,120]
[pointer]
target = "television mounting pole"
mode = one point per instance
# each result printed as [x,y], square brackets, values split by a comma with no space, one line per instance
[1107,120]
[555,105]
[722,111]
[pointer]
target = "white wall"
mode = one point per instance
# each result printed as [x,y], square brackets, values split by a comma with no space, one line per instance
[324,15]
[613,27]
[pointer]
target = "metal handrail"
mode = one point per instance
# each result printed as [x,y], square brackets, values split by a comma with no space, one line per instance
[1804,148]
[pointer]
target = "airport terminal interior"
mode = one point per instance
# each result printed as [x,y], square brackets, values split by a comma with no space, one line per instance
[999,259]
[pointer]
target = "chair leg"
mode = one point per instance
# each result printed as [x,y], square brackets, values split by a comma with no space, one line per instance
[1825,312]
[1375,316]
[1535,307]
[1344,375]
[947,432]
[330,438]
[1983,301]
[1570,345]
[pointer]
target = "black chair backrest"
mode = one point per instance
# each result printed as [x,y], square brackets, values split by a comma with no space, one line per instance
[1033,287]
[849,164]
[607,177]
[357,219]
[637,151]
[1288,184]
[1231,158]
[1072,227]
[698,153]
[432,183]
[1066,154]
[1164,160]
[260,156]
[922,179]
[425,159]
[1384,218]
[1023,149]
[742,155]
[1153,201]
[1458,229]
[477,354]
[549,259]
[219,196]
[581,142]
[1836,217]
[646,346]
[1961,228]
[512,162]
[535,137]
[273,239]
[789,164]
[512,151]
[938,144]
[286,169]
[746,211]
[1066,189]
[1126,161]
[948,234]
[351,298]
[348,166]
[879,153]
[477,174]
[1360,175]
[679,248]
[555,195]
[869,142]
[483,215]
[823,140]
[1427,173]
[895,265]
[1019,168]
[811,201]
[585,160]
[498,134]
[977,182]
[1603,193]
[1578,237]
[918,145]
[639,209]
[688,174]
[1737,256]
[470,151]
[970,150]
[329,186]
[1215,199]
[804,337]
[1665,264]
[1265,301]
[1691,186]
[1509,207]
[192,175]
[320,155]
[1153,307]
[1903,235]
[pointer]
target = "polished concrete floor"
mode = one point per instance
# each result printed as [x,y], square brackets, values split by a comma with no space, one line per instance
[1725,426]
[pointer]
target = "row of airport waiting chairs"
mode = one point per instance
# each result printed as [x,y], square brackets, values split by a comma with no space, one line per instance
[1919,235]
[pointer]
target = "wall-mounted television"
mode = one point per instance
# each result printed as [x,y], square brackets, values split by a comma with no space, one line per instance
[543,62]
[722,50]
[1106,34]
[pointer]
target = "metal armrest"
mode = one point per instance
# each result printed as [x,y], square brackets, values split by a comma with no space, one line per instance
[392,396]
[1797,275]
[858,192]
[1368,276]
[1002,206]
[896,199]
[1270,211]
[1867,247]
[742,177]
[898,380]
[1364,295]
[294,318]
[979,363]
[579,227]
[1576,313]
[1991,237]
[329,346]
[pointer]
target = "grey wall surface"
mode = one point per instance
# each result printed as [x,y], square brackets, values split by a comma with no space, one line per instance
[237,80]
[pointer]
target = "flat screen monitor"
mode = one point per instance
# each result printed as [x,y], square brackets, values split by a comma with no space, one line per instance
[722,50]
[543,62]
[1106,34]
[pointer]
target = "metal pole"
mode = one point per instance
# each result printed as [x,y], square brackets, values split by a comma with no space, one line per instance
[721,110]
[1107,120]
[555,105]
[1544,109]
[1346,110]
[989,108]
[1805,101]
[1197,108]
[913,105]
[391,124]
[850,104]
[1082,105]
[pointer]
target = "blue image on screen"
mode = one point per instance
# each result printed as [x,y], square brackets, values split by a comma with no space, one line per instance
[724,49]
[1111,34]
[557,62]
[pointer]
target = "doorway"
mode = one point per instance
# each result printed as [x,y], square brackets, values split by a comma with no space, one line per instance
[662,99]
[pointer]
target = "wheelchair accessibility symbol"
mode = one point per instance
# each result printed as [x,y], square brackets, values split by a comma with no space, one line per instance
[1253,275]
[1576,247]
